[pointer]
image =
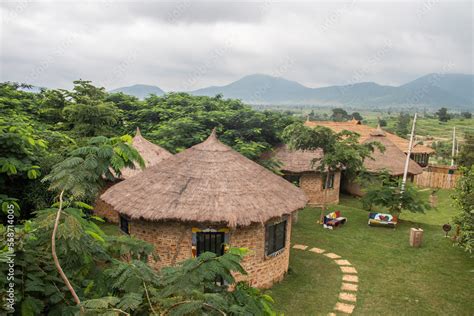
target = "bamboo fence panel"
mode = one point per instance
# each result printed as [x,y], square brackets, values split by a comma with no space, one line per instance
[436,180]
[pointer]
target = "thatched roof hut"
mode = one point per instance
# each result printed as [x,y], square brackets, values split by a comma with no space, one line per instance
[302,168]
[151,153]
[209,182]
[297,161]
[365,132]
[391,160]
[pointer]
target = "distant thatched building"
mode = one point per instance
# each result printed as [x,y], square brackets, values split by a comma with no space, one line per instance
[420,153]
[301,168]
[207,198]
[152,154]
[392,161]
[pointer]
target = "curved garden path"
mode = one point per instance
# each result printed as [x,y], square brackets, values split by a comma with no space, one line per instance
[350,280]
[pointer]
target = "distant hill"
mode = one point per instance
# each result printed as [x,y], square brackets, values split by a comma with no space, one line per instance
[455,91]
[141,91]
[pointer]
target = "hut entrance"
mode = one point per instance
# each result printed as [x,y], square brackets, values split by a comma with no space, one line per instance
[210,241]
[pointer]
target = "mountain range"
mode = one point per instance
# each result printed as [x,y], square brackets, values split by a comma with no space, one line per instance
[455,91]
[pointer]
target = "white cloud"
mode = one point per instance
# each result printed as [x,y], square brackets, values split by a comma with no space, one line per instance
[189,45]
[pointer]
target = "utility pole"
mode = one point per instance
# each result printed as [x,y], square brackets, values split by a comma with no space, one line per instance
[453,151]
[407,161]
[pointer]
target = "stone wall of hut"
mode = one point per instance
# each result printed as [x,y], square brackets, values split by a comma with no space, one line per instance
[262,271]
[173,243]
[106,211]
[312,185]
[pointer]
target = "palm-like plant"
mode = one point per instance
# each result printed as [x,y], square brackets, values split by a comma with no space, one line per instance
[83,173]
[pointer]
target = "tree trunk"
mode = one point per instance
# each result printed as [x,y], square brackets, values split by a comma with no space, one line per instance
[55,256]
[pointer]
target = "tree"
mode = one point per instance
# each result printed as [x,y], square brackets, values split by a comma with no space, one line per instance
[178,121]
[81,175]
[386,192]
[467,115]
[443,115]
[340,149]
[464,200]
[339,115]
[88,113]
[402,124]
[466,154]
[357,116]
[382,122]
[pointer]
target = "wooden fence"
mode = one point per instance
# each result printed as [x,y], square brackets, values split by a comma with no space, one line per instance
[436,180]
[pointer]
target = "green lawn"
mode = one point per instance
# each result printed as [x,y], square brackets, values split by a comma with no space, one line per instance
[436,279]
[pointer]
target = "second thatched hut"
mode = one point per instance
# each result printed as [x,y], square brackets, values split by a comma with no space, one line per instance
[152,154]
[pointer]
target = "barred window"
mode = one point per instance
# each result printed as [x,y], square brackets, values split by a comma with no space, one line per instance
[275,238]
[124,224]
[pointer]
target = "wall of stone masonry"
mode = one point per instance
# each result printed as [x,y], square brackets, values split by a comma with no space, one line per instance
[173,243]
[312,185]
[106,211]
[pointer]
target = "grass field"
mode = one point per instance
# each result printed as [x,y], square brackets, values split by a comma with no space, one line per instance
[394,279]
[429,127]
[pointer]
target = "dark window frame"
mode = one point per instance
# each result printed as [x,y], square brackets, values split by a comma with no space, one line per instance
[275,238]
[124,224]
[209,242]
[330,183]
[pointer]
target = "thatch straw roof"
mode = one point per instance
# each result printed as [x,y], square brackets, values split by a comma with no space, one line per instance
[391,160]
[365,132]
[151,154]
[209,182]
[297,161]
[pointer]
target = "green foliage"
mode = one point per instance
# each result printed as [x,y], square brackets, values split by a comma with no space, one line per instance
[443,150]
[443,115]
[401,128]
[339,115]
[464,200]
[467,115]
[19,148]
[386,192]
[382,122]
[466,154]
[340,149]
[86,168]
[357,116]
[178,121]
[88,113]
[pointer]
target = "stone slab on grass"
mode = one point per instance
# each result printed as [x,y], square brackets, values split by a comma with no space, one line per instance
[343,262]
[317,250]
[332,255]
[300,247]
[343,296]
[349,287]
[345,269]
[350,278]
[345,308]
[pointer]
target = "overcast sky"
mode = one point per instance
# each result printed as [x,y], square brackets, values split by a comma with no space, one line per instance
[185,45]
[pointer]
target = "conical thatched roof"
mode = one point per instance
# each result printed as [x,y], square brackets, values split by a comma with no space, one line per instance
[151,154]
[392,159]
[297,161]
[365,132]
[209,182]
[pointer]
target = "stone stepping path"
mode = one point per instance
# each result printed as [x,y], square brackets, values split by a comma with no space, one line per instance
[349,286]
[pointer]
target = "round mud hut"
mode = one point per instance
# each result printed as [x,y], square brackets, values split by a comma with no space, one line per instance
[301,167]
[152,154]
[210,198]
